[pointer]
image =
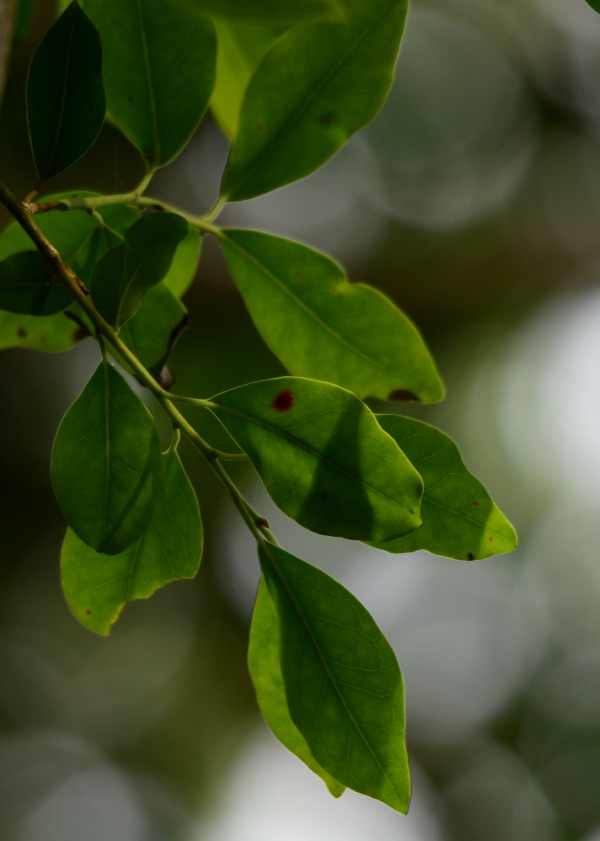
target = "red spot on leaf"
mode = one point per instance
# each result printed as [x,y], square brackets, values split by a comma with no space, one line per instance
[283,401]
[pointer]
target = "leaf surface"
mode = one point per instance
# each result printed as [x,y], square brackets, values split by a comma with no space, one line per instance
[103,462]
[125,274]
[152,332]
[65,94]
[97,587]
[159,70]
[318,84]
[342,680]
[27,287]
[460,519]
[320,325]
[265,670]
[323,457]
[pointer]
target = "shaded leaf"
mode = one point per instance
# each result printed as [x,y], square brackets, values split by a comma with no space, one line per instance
[97,587]
[317,85]
[65,93]
[124,276]
[159,70]
[26,286]
[323,457]
[342,680]
[460,520]
[265,670]
[152,332]
[320,325]
[103,460]
[595,4]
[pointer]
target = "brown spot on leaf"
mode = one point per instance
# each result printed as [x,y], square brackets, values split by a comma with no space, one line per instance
[21,332]
[283,401]
[88,611]
[403,394]
[476,504]
[471,556]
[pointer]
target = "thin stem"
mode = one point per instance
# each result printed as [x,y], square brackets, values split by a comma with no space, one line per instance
[135,199]
[107,334]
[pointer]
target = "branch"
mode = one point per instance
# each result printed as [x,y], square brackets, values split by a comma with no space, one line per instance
[22,214]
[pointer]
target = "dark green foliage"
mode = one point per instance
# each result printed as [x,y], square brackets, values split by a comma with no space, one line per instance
[291,83]
[65,94]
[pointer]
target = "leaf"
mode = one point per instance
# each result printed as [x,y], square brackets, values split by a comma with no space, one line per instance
[152,332]
[265,670]
[316,86]
[267,11]
[52,334]
[595,4]
[159,71]
[127,273]
[323,457]
[460,520]
[103,459]
[183,268]
[97,587]
[342,680]
[65,93]
[320,325]
[26,286]
[242,45]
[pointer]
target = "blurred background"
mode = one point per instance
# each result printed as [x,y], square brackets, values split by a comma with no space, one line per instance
[474,200]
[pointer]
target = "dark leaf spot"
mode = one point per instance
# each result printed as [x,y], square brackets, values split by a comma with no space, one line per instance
[283,401]
[88,612]
[22,333]
[476,504]
[471,556]
[402,394]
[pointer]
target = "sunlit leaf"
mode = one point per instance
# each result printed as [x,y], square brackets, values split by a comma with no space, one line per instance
[184,265]
[320,325]
[65,93]
[317,85]
[159,70]
[103,462]
[265,670]
[97,587]
[323,457]
[460,520]
[342,681]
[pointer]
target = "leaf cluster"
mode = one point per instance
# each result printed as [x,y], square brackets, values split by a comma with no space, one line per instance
[289,83]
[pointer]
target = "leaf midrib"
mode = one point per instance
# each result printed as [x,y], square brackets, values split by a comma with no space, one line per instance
[149,84]
[63,99]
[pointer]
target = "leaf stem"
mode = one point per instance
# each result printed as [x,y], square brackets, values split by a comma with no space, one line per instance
[135,199]
[23,214]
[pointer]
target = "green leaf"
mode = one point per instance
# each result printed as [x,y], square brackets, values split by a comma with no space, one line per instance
[97,587]
[267,11]
[316,86]
[52,334]
[595,4]
[265,670]
[26,286]
[323,457]
[460,520]
[125,275]
[184,266]
[342,680]
[152,332]
[65,93]
[103,462]
[242,45]
[159,71]
[320,325]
